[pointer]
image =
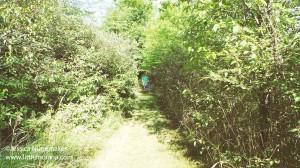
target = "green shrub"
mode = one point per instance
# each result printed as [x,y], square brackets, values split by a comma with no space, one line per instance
[227,77]
[129,19]
[59,76]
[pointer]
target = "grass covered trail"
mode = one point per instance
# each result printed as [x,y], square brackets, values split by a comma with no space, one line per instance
[138,142]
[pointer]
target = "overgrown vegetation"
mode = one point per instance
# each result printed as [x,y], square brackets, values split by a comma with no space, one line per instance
[228,76]
[60,80]
[129,19]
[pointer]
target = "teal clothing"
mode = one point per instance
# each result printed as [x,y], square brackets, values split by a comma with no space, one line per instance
[145,80]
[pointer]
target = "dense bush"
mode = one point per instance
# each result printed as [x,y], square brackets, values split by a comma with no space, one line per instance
[50,58]
[129,19]
[227,75]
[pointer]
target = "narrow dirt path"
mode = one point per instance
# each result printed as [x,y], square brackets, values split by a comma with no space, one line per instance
[133,147]
[135,144]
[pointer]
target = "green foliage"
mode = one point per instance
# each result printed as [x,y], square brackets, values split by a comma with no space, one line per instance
[129,19]
[227,74]
[57,73]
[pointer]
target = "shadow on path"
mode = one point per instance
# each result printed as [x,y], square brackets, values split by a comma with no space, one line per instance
[139,142]
[148,113]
